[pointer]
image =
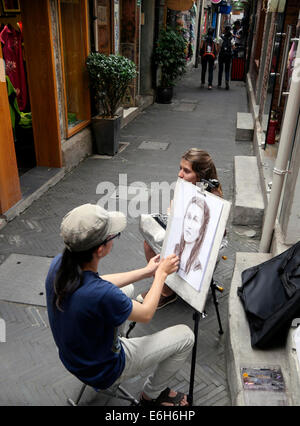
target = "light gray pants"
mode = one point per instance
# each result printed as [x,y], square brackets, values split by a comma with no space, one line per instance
[165,351]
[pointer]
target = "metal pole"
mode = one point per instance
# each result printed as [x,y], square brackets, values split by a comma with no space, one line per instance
[284,151]
[200,16]
[196,318]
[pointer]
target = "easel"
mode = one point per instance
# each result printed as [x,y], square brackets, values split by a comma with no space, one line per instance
[202,186]
[196,316]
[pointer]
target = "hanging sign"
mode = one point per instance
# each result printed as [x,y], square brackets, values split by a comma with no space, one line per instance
[179,4]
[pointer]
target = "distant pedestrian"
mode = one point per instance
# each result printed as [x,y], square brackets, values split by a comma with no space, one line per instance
[225,56]
[208,53]
[238,36]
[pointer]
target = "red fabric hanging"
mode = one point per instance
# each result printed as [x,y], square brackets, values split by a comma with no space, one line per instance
[14,65]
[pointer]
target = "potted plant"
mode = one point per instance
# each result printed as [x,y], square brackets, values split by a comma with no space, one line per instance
[170,55]
[110,76]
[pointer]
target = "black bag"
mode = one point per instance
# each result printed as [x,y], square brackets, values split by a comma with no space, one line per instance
[226,49]
[270,294]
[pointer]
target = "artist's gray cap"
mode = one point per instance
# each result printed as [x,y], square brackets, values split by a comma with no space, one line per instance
[88,225]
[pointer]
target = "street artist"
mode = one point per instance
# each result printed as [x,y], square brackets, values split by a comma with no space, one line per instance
[86,309]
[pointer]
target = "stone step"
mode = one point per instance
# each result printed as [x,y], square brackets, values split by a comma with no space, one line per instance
[240,354]
[129,114]
[248,204]
[244,127]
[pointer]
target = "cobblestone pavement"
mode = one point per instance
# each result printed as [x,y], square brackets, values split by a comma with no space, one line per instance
[30,371]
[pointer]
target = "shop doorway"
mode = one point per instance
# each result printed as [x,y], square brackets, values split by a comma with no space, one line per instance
[13,52]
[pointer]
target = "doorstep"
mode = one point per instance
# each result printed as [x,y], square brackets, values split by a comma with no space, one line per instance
[131,113]
[249,205]
[33,184]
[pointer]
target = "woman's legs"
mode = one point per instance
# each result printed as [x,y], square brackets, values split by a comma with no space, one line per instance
[149,252]
[165,351]
[210,70]
[220,75]
[203,69]
[227,71]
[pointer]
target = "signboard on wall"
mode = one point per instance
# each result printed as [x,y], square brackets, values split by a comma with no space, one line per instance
[179,4]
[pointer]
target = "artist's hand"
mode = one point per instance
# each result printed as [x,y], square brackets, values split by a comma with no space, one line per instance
[169,264]
[152,265]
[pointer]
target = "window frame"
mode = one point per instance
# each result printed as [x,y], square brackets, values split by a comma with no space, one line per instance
[87,102]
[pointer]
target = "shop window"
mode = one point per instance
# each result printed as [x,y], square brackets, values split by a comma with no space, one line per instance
[74,47]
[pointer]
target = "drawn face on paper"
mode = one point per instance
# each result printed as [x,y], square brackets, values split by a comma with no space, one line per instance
[192,223]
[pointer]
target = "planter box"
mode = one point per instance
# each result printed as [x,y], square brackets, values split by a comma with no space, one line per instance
[106,132]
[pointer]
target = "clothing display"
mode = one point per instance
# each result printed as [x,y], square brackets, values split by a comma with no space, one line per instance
[11,40]
[186,20]
[15,114]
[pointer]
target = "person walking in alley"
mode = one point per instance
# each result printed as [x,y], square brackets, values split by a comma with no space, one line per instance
[208,53]
[238,38]
[195,164]
[225,56]
[85,311]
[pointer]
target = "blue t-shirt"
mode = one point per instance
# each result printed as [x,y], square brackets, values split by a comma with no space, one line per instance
[86,332]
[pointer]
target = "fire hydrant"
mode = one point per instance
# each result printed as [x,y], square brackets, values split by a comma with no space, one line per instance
[273,124]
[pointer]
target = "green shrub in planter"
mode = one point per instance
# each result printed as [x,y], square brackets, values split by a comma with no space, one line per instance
[170,55]
[110,76]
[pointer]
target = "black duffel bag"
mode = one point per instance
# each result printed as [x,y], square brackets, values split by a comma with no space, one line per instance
[270,294]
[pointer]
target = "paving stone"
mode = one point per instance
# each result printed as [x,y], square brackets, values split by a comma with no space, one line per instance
[162,146]
[22,279]
[184,107]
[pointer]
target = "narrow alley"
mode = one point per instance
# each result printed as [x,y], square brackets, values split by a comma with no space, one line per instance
[152,145]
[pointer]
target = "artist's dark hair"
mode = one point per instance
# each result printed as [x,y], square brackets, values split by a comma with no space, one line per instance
[202,165]
[198,243]
[69,276]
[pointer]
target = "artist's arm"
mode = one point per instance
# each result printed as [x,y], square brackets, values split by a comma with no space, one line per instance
[124,278]
[143,312]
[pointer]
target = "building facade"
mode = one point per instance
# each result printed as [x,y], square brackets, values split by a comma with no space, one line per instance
[44,45]
[274,94]
[45,100]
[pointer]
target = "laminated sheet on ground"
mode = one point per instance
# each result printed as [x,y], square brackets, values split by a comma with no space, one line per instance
[22,279]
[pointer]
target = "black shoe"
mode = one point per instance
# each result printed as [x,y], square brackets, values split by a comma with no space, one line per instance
[227,86]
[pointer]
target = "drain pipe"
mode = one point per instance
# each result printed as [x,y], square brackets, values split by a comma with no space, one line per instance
[284,151]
